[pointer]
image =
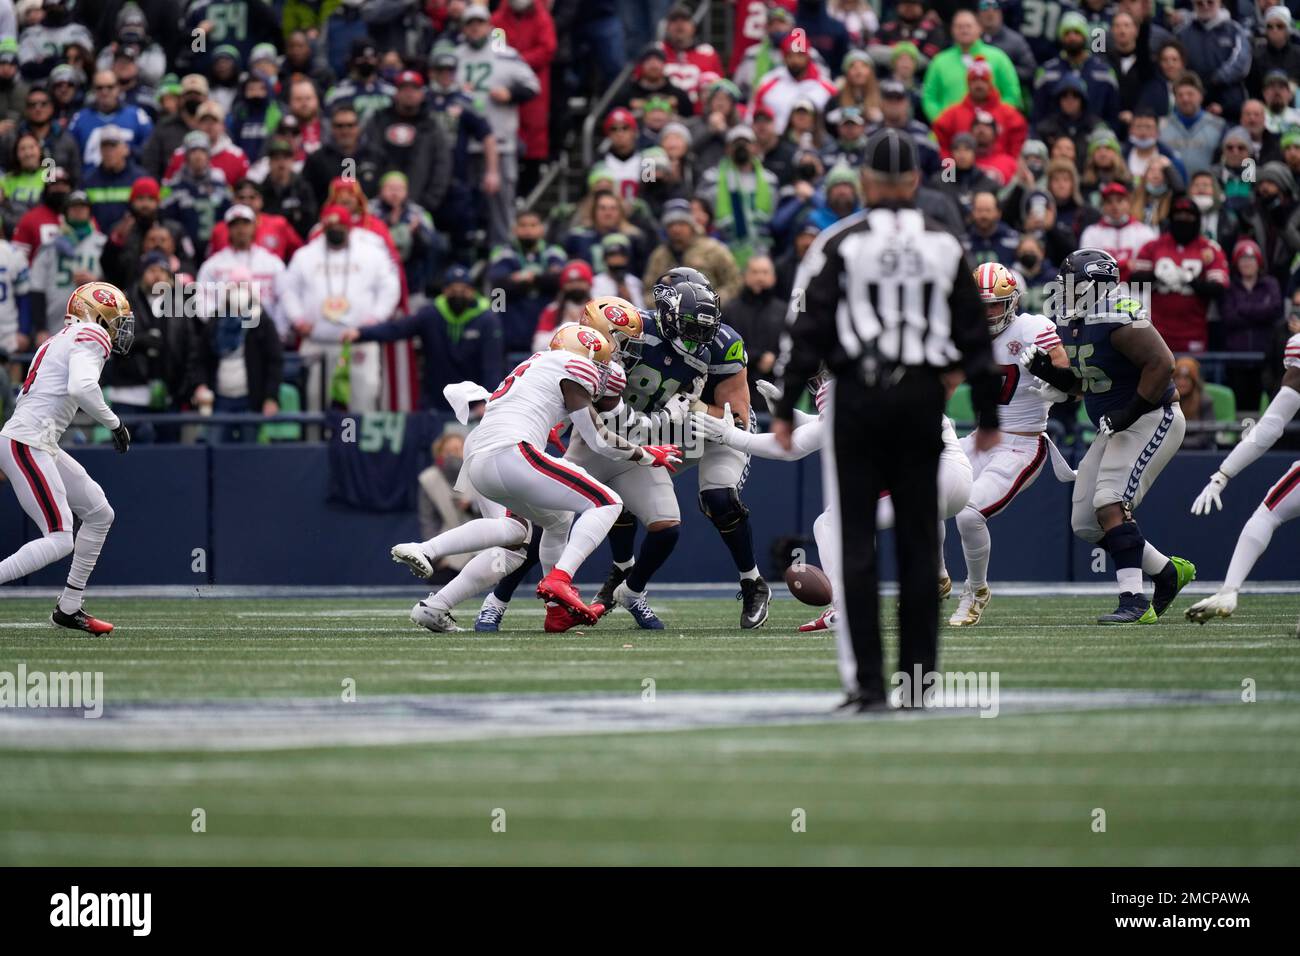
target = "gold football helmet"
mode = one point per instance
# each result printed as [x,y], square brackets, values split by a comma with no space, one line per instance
[105,305]
[584,341]
[1000,294]
[620,321]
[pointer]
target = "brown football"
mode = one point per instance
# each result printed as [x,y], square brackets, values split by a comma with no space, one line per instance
[809,584]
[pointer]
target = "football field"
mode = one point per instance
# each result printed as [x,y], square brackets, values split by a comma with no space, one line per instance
[277,731]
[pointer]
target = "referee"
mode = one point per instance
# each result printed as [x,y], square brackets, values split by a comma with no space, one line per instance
[885,298]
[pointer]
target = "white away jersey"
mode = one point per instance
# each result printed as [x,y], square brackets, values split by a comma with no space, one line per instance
[46,405]
[13,283]
[529,403]
[1291,354]
[1021,410]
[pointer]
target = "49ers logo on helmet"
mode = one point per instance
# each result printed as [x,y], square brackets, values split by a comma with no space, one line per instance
[616,315]
[590,340]
[104,297]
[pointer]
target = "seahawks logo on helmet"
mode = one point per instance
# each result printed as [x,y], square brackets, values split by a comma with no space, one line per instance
[679,276]
[689,313]
[1086,276]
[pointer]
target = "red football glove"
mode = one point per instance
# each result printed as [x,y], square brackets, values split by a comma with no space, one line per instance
[554,438]
[661,456]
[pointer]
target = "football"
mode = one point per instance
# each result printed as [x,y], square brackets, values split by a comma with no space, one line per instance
[808,583]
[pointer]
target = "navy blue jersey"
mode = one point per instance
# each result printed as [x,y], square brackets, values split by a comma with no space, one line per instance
[727,357]
[663,371]
[1110,379]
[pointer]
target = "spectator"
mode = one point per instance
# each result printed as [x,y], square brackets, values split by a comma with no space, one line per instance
[286,193]
[913,24]
[1158,95]
[896,113]
[686,245]
[797,80]
[904,68]
[69,259]
[1063,184]
[239,359]
[826,34]
[1218,49]
[345,142]
[1105,165]
[38,118]
[615,275]
[742,195]
[1030,176]
[87,126]
[364,88]
[758,316]
[989,239]
[47,43]
[197,195]
[719,113]
[995,32]
[1154,193]
[989,154]
[1117,232]
[1280,112]
[304,124]
[13,91]
[691,65]
[341,280]
[1189,131]
[1198,408]
[981,95]
[605,215]
[623,160]
[1248,311]
[413,142]
[945,78]
[858,86]
[1144,145]
[135,93]
[858,17]
[1271,219]
[1208,197]
[849,148]
[1037,269]
[805,128]
[126,237]
[527,271]
[1075,60]
[439,505]
[788,265]
[1276,50]
[1265,145]
[271,231]
[1038,219]
[963,179]
[1128,53]
[460,337]
[764,56]
[225,155]
[1188,271]
[412,230]
[252,116]
[300,60]
[649,80]
[530,30]
[65,86]
[223,76]
[1073,118]
[775,151]
[1291,151]
[109,184]
[167,136]
[462,212]
[576,280]
[43,221]
[500,81]
[24,179]
[1236,162]
[672,174]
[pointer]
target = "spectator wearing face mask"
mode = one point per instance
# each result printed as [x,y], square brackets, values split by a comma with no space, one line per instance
[44,45]
[615,275]
[439,505]
[1248,311]
[1144,144]
[363,87]
[527,270]
[1117,233]
[574,293]
[757,314]
[1189,272]
[252,116]
[1272,219]
[1205,193]
[1154,193]
[742,195]
[1036,269]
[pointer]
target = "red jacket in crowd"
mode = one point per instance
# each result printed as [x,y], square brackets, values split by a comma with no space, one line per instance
[271,232]
[227,157]
[532,33]
[1178,312]
[693,70]
[960,117]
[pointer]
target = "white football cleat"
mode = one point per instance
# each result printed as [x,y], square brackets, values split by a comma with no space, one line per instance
[971,607]
[412,555]
[1219,604]
[433,619]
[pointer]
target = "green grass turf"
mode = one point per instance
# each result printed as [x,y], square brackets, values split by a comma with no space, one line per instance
[1180,785]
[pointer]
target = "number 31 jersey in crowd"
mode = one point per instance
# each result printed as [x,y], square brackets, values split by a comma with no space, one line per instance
[1021,410]
[529,401]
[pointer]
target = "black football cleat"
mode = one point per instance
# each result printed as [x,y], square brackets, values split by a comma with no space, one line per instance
[605,596]
[1133,609]
[858,703]
[756,597]
[80,621]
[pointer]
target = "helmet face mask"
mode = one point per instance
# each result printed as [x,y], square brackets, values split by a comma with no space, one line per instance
[1000,294]
[105,305]
[621,322]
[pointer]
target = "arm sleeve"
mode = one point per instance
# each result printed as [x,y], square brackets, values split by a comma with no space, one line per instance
[599,438]
[1268,430]
[805,440]
[83,385]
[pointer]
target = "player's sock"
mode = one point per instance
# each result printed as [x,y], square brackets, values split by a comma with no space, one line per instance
[476,535]
[35,555]
[1125,544]
[71,599]
[827,544]
[1153,562]
[85,551]
[479,574]
[750,575]
[506,587]
[622,540]
[729,515]
[589,529]
[1254,539]
[626,565]
[943,534]
[975,545]
[655,549]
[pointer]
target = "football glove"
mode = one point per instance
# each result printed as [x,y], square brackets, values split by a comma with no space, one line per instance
[771,393]
[676,409]
[1210,495]
[121,439]
[660,456]
[714,429]
[1049,393]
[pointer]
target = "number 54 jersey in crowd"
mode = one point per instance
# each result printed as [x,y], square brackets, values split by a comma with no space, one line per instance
[529,402]
[1021,410]
[46,405]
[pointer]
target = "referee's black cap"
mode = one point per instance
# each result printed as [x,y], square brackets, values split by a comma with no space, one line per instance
[890,154]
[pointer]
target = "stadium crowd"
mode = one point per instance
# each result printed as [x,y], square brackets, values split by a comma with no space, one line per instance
[355,172]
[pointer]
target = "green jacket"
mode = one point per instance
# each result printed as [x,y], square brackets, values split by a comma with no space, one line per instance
[945,78]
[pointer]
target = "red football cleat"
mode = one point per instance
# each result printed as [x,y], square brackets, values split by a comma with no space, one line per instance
[560,619]
[821,623]
[80,621]
[558,586]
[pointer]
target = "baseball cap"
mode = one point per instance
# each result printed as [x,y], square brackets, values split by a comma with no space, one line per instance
[652,50]
[890,153]
[170,85]
[409,78]
[279,146]
[64,73]
[852,114]
[679,11]
[990,5]
[229,51]
[964,139]
[194,83]
[984,117]
[576,270]
[145,186]
[475,11]
[795,41]
[677,210]
[453,274]
[78,197]
[155,258]
[196,139]
[112,134]
[893,89]
[617,116]
[444,60]
[261,52]
[1277,76]
[777,12]
[1115,187]
[210,108]
[240,211]
[740,131]
[336,215]
[804,104]
[616,242]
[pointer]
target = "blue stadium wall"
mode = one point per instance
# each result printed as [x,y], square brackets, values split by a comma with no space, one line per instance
[261,516]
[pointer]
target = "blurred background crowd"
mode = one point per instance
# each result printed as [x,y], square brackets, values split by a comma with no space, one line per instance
[412,192]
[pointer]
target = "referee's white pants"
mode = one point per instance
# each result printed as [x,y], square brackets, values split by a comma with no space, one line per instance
[51,489]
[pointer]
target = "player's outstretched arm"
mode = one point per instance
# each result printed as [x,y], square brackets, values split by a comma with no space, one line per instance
[589,424]
[805,439]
